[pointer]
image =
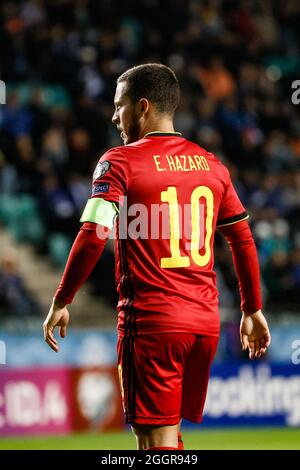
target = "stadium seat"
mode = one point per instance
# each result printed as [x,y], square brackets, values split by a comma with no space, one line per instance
[59,246]
[8,207]
[26,225]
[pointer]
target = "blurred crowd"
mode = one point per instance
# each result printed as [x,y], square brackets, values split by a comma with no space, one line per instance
[236,61]
[15,299]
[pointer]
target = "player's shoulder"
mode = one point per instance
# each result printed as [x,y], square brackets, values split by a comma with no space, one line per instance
[196,148]
[112,160]
[214,162]
[113,152]
[206,153]
[122,151]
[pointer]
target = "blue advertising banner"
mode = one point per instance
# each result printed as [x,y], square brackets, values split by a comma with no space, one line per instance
[253,394]
[240,393]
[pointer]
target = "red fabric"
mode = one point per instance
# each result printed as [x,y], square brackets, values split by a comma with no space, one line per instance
[246,264]
[85,252]
[164,376]
[162,448]
[180,442]
[153,298]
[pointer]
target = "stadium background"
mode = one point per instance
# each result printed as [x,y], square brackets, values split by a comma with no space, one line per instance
[236,61]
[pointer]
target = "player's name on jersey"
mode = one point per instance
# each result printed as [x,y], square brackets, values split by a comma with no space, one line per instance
[180,163]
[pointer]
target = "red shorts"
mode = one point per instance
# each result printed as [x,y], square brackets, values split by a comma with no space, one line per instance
[164,377]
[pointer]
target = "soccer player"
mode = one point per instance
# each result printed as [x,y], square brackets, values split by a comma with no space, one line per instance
[168,196]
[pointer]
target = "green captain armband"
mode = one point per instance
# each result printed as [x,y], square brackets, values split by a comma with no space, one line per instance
[100,211]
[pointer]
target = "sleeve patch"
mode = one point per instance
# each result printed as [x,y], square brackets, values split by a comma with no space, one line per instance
[100,188]
[101,169]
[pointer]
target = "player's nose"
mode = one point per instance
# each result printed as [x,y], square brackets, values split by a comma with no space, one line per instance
[115,118]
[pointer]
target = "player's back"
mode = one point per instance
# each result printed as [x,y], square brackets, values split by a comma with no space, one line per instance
[176,194]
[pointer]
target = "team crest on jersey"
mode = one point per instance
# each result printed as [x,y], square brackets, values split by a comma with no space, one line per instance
[101,169]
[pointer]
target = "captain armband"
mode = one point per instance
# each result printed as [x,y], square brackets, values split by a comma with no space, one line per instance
[100,211]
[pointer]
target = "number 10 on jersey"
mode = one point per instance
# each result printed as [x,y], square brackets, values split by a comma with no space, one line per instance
[177,260]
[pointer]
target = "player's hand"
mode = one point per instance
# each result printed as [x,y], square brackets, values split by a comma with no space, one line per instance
[58,316]
[255,334]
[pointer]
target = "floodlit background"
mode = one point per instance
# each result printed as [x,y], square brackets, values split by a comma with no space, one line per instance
[237,62]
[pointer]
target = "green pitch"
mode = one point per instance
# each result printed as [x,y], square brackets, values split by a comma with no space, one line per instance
[271,438]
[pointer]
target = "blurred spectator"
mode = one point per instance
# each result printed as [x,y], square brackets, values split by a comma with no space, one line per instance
[14,297]
[217,82]
[58,207]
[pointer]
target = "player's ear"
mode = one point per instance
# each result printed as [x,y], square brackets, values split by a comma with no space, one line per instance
[144,105]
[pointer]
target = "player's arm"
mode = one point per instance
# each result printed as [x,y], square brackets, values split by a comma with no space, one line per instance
[254,331]
[98,218]
[110,183]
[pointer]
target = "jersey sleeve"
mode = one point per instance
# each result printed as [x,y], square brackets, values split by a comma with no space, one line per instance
[110,178]
[231,209]
[110,182]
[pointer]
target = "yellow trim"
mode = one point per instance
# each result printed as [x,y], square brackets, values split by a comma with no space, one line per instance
[121,380]
[162,132]
[235,222]
[116,207]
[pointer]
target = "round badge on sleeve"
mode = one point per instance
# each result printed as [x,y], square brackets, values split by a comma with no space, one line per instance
[101,169]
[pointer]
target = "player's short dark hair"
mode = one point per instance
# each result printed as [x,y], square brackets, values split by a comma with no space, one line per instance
[156,82]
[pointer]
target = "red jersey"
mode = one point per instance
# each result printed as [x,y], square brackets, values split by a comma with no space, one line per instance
[172,195]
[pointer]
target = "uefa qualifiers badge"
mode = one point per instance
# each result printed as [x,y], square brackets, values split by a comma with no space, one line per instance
[2,92]
[101,169]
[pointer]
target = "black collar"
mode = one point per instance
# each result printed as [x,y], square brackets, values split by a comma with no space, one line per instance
[162,134]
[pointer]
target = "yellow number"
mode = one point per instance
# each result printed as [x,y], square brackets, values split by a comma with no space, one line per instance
[201,191]
[176,260]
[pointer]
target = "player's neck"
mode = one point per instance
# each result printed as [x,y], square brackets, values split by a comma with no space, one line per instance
[158,125]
